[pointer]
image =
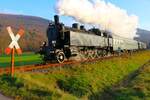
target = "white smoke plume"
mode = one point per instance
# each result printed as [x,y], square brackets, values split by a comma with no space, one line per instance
[100,13]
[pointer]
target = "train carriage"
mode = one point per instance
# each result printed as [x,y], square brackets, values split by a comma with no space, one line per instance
[124,43]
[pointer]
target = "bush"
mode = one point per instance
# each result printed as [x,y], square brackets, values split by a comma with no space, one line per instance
[15,87]
[77,85]
[13,82]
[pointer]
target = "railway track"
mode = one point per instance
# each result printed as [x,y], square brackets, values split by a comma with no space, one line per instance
[29,68]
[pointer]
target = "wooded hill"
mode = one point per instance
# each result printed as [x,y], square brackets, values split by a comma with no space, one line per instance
[35,30]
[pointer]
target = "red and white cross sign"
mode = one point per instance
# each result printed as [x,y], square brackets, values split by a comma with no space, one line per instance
[14,42]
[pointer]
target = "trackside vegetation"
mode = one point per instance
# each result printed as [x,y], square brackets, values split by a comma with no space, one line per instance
[81,81]
[137,88]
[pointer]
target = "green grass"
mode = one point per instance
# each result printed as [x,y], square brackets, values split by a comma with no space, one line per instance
[84,81]
[137,89]
[16,88]
[20,60]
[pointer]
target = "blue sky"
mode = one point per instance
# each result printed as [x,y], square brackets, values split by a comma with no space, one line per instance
[46,9]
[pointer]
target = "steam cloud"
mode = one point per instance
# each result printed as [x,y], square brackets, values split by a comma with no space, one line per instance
[103,14]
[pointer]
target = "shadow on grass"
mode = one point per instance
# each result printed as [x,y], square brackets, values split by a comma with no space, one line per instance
[76,85]
[40,93]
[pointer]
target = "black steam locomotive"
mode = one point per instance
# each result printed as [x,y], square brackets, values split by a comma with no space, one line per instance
[66,42]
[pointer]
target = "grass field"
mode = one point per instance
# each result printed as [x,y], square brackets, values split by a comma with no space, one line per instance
[20,60]
[81,81]
[137,88]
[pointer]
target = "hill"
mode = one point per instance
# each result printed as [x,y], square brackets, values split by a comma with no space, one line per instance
[35,31]
[144,36]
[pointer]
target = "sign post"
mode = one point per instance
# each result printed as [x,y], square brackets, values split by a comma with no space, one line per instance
[13,62]
[14,45]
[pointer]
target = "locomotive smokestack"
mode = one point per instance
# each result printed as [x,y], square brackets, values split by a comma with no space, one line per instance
[56,19]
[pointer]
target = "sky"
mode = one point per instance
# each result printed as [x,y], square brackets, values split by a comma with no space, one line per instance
[46,9]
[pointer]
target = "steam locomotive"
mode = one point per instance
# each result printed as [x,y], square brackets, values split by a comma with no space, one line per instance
[66,42]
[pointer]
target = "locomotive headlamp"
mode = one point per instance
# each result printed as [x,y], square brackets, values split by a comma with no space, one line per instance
[54,43]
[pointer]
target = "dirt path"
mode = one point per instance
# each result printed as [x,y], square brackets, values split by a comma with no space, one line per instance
[2,97]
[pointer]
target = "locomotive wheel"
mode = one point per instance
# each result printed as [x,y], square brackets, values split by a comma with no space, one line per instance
[60,57]
[109,53]
[91,54]
[104,53]
[94,54]
[86,54]
[99,53]
[82,54]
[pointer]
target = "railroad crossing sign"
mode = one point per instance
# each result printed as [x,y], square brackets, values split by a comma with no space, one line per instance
[14,44]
